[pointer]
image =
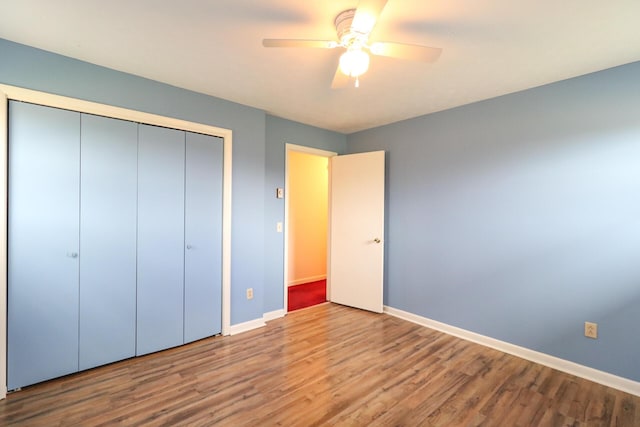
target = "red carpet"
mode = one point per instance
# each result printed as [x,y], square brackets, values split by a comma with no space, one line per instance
[307,294]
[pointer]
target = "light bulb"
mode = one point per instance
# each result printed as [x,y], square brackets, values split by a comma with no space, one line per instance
[354,62]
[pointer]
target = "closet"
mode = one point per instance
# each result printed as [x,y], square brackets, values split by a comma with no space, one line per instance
[114,240]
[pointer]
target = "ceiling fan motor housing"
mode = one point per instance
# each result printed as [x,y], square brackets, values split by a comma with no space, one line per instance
[346,34]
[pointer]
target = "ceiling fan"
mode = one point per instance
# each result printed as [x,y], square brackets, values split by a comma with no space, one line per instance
[353,27]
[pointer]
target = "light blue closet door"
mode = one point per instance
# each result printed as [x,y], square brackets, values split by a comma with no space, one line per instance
[161,155]
[44,163]
[108,201]
[203,237]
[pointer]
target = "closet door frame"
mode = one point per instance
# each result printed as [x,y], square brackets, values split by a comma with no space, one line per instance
[8,92]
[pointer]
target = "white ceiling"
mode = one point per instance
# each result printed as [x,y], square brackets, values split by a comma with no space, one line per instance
[490,48]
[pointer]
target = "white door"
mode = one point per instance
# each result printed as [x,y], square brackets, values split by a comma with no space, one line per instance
[357,230]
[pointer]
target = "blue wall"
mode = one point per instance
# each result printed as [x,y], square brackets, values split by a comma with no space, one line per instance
[36,69]
[519,217]
[279,133]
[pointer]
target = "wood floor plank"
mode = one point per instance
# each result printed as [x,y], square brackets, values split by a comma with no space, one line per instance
[325,365]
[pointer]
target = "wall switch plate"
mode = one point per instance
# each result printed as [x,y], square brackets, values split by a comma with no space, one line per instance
[280,193]
[249,293]
[591,330]
[279,227]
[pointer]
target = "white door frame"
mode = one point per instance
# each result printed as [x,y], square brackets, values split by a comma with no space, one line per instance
[316,152]
[19,94]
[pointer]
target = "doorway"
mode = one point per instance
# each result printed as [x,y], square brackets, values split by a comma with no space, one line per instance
[306,226]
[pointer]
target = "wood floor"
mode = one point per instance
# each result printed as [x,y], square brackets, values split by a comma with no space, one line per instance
[325,365]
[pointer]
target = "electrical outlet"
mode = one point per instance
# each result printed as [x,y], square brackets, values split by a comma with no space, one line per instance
[249,293]
[591,330]
[280,193]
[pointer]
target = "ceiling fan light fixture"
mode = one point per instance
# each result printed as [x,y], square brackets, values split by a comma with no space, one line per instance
[354,62]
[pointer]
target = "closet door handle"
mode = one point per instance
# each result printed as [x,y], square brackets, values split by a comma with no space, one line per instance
[189,247]
[72,254]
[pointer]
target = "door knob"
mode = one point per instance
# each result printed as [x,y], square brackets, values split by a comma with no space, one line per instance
[72,254]
[376,240]
[189,246]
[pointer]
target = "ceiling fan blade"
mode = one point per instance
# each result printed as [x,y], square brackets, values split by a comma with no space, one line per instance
[367,15]
[340,80]
[322,44]
[406,51]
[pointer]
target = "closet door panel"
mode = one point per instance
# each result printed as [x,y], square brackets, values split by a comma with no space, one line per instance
[43,254]
[160,303]
[203,237]
[108,202]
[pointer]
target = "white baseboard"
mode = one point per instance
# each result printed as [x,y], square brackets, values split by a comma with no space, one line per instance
[246,326]
[604,378]
[255,323]
[272,315]
[307,280]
